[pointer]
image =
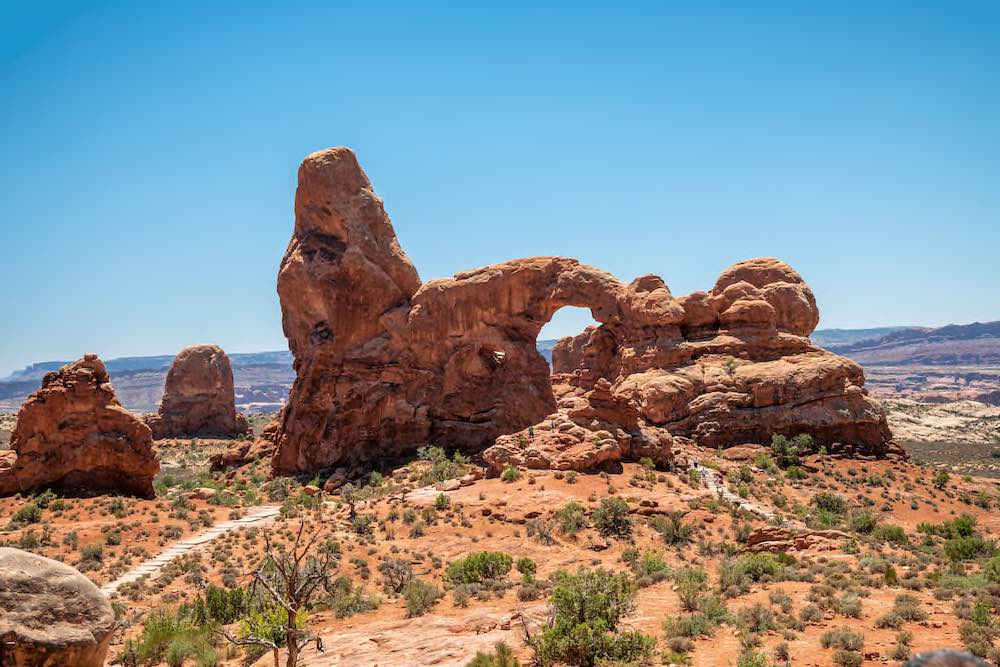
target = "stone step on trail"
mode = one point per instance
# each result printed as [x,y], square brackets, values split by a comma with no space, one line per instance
[255,516]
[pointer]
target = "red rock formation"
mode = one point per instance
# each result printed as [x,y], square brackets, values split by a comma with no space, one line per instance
[198,397]
[73,433]
[385,364]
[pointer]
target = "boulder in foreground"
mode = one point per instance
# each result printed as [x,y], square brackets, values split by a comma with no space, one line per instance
[50,614]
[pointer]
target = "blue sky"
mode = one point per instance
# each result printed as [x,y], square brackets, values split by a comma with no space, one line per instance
[148,152]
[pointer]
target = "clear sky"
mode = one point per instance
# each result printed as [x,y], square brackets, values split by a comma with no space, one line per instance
[148,152]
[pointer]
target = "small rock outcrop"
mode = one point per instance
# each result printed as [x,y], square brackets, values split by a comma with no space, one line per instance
[52,615]
[73,433]
[198,397]
[385,363]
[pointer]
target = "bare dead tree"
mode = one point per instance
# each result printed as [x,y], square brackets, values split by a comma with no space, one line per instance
[290,581]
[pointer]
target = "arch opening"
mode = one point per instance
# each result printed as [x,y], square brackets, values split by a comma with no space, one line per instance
[566,322]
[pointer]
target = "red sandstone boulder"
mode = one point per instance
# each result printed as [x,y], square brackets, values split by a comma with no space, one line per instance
[198,397]
[73,433]
[50,614]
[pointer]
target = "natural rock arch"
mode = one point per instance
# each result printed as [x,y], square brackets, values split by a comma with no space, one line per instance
[385,364]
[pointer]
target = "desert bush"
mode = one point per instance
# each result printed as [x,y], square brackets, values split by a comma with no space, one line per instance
[891,534]
[346,600]
[846,658]
[440,468]
[219,605]
[757,618]
[526,567]
[691,583]
[863,521]
[479,567]
[396,574]
[570,518]
[978,639]
[502,656]
[672,528]
[27,514]
[510,474]
[587,608]
[810,614]
[752,659]
[612,519]
[541,530]
[969,548]
[420,596]
[829,502]
[842,638]
[650,569]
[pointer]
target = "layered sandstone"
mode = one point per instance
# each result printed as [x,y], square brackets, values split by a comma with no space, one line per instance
[73,433]
[198,397]
[385,364]
[51,614]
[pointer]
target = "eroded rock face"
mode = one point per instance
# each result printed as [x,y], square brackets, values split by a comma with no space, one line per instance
[52,616]
[73,433]
[198,397]
[385,364]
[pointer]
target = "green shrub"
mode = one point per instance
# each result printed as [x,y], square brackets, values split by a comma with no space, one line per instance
[842,638]
[863,521]
[502,656]
[396,573]
[891,534]
[479,567]
[571,518]
[787,453]
[672,528]
[650,569]
[758,566]
[757,618]
[28,514]
[969,548]
[587,608]
[991,570]
[219,605]
[346,600]
[753,659]
[510,474]
[978,639]
[526,567]
[845,658]
[612,519]
[420,597]
[829,502]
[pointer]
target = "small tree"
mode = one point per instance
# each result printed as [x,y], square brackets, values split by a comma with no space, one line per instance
[587,608]
[289,581]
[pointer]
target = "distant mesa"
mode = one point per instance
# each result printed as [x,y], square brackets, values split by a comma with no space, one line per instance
[73,433]
[198,397]
[976,344]
[386,363]
[52,614]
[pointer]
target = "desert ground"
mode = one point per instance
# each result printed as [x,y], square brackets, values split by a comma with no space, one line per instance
[889,558]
